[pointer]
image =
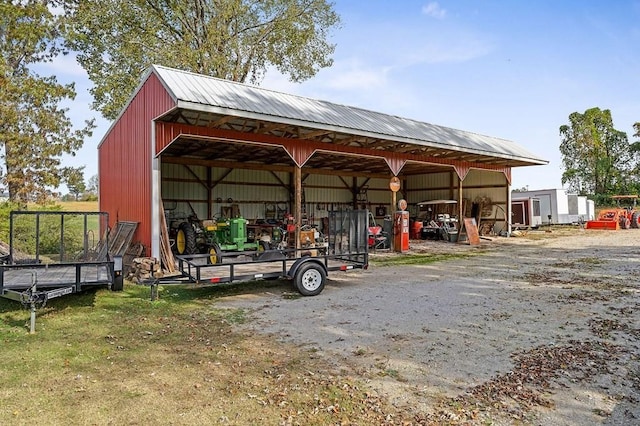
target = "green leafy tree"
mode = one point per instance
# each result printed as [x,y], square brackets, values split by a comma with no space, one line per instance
[74,179]
[92,187]
[232,39]
[597,159]
[635,150]
[34,130]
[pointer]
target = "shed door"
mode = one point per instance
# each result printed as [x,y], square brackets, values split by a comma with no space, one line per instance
[517,210]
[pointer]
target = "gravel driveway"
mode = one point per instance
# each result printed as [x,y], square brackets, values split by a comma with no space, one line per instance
[540,329]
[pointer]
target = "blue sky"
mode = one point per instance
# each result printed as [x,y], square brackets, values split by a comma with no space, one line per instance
[510,69]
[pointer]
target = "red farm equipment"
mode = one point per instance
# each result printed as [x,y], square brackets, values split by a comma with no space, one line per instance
[618,217]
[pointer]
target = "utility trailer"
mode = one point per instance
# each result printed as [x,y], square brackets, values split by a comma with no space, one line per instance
[53,254]
[346,249]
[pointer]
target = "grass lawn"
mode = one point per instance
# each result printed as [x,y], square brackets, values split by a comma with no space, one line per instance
[118,358]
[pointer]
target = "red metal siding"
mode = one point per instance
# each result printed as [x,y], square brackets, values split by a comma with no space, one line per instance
[124,160]
[300,150]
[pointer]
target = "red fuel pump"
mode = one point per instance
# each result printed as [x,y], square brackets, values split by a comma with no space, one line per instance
[401,231]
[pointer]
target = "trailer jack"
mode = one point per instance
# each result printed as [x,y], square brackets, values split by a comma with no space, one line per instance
[33,300]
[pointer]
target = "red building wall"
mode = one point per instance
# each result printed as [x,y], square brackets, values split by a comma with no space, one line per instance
[124,160]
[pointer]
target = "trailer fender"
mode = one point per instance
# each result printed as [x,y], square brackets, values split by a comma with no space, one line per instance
[309,275]
[294,268]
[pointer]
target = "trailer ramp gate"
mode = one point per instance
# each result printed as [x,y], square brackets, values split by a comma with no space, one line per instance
[53,254]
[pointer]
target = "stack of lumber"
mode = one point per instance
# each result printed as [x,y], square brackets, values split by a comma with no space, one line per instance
[166,255]
[144,269]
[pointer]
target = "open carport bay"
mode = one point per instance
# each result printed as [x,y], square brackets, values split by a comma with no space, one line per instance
[542,329]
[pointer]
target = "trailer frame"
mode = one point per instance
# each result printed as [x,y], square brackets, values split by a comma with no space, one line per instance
[347,249]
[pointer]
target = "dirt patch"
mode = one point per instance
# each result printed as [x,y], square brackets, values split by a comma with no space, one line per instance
[540,329]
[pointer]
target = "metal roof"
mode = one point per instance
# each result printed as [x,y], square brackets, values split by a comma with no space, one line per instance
[195,92]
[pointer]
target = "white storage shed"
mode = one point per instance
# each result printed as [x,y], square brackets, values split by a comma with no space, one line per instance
[559,208]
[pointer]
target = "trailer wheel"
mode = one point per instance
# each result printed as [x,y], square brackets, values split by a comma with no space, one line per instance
[215,255]
[186,239]
[309,279]
[635,220]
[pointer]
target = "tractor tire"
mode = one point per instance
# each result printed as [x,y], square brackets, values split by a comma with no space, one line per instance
[264,246]
[186,239]
[310,279]
[635,220]
[625,223]
[215,255]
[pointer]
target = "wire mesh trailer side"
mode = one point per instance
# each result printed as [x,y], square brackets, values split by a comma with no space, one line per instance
[54,250]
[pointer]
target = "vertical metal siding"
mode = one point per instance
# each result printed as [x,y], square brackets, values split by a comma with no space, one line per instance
[482,177]
[124,160]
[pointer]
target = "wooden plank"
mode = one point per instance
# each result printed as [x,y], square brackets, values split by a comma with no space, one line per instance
[119,240]
[119,245]
[166,255]
[472,230]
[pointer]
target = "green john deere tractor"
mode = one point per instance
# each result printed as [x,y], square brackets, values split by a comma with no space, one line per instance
[214,237]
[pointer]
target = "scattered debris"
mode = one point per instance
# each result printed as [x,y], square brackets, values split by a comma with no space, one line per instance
[536,372]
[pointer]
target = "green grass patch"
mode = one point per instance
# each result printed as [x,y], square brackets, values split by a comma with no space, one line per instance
[591,261]
[580,263]
[417,259]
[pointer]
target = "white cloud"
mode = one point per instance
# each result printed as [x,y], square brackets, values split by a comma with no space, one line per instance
[355,75]
[454,50]
[345,75]
[434,10]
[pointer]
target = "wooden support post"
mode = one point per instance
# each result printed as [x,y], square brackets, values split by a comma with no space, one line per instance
[452,176]
[209,194]
[460,212]
[297,177]
[507,209]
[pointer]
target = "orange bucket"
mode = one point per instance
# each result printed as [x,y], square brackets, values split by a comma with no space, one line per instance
[416,230]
